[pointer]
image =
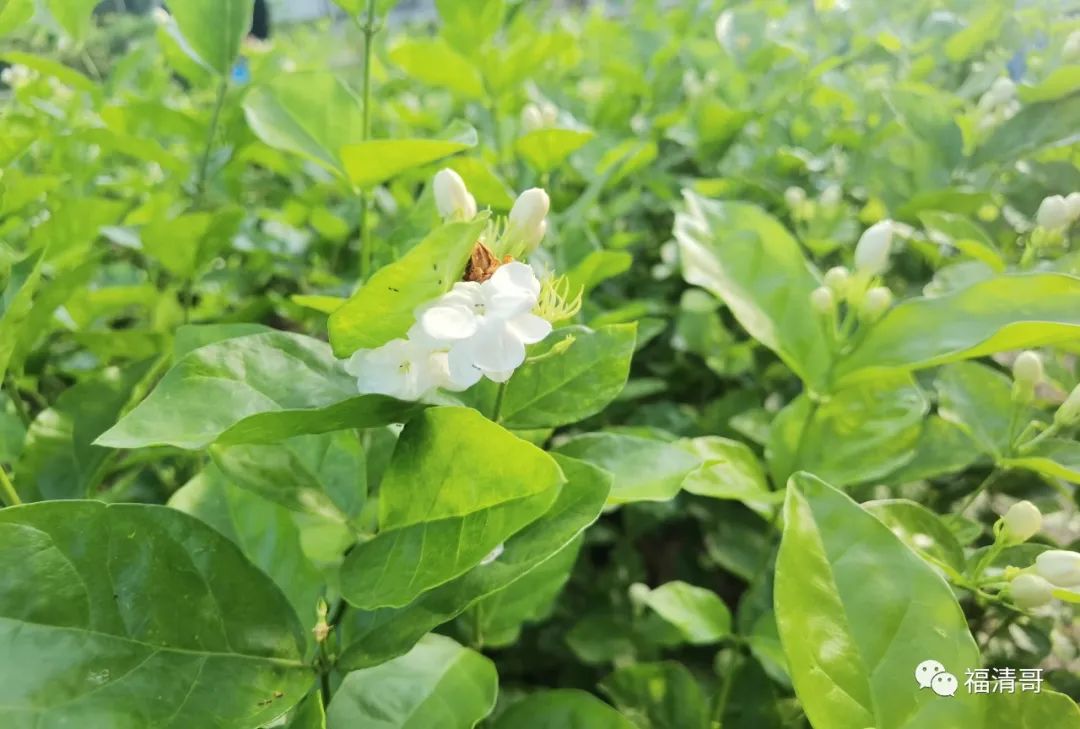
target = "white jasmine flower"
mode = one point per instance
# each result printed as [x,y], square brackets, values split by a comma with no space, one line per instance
[1022,521]
[486,326]
[1053,213]
[1059,567]
[527,223]
[872,250]
[401,368]
[452,198]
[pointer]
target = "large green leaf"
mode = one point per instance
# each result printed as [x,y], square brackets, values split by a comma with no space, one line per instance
[861,433]
[469,24]
[658,696]
[546,149]
[434,62]
[264,532]
[730,470]
[312,114]
[560,389]
[384,307]
[920,529]
[437,684]
[456,489]
[978,400]
[131,616]
[376,636]
[59,460]
[14,13]
[645,469]
[255,389]
[16,303]
[739,253]
[700,616]
[496,621]
[214,29]
[73,16]
[1006,312]
[321,474]
[1049,124]
[377,160]
[561,709]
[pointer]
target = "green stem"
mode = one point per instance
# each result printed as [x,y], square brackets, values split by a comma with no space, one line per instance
[970,498]
[324,674]
[368,28]
[211,133]
[1050,432]
[16,400]
[725,688]
[7,489]
[496,410]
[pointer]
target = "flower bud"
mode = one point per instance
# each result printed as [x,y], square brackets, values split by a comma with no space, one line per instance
[1028,368]
[1071,50]
[794,197]
[452,198]
[1068,414]
[836,278]
[1022,521]
[527,223]
[1030,591]
[1072,206]
[873,248]
[831,196]
[1003,89]
[1053,213]
[823,300]
[532,118]
[1059,567]
[876,302]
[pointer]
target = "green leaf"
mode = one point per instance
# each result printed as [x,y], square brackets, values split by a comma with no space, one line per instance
[561,709]
[1007,312]
[16,303]
[927,113]
[858,612]
[984,28]
[437,684]
[185,243]
[59,460]
[311,114]
[434,63]
[190,337]
[1036,127]
[658,696]
[483,181]
[730,470]
[323,474]
[383,308]
[546,149]
[978,400]
[14,13]
[699,614]
[496,621]
[213,29]
[1054,457]
[256,389]
[134,616]
[372,637]
[921,530]
[644,469]
[264,532]
[966,236]
[565,388]
[377,160]
[73,16]
[747,258]
[456,489]
[942,448]
[1060,82]
[309,714]
[469,24]
[861,433]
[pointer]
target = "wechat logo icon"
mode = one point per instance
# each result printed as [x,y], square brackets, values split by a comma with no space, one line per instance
[932,675]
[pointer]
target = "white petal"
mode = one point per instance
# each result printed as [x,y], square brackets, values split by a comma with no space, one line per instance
[499,376]
[529,328]
[461,371]
[497,349]
[448,323]
[514,277]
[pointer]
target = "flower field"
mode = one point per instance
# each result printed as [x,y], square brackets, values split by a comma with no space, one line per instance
[540,365]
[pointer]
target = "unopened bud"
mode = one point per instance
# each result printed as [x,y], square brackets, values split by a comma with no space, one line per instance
[527,218]
[823,300]
[1022,521]
[831,196]
[876,302]
[872,250]
[837,278]
[1068,414]
[1059,567]
[532,118]
[452,198]
[1072,206]
[1053,213]
[1030,591]
[794,197]
[1028,368]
